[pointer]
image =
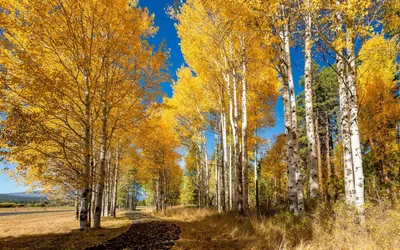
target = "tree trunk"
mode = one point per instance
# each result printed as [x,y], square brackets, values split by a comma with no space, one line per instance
[230,176]
[233,122]
[289,145]
[238,195]
[110,180]
[198,182]
[244,129]
[328,160]
[344,130]
[294,130]
[216,179]
[77,204]
[103,149]
[225,161]
[319,157]
[157,198]
[164,196]
[92,168]
[114,213]
[312,155]
[207,171]
[354,132]
[256,176]
[344,123]
[83,217]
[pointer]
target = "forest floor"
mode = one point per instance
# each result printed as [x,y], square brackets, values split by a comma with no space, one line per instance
[328,227]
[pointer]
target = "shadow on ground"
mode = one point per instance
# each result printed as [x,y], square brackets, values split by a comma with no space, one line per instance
[146,232]
[73,240]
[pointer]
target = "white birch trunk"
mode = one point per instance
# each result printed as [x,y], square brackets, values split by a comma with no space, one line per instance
[234,134]
[116,182]
[238,167]
[344,129]
[294,131]
[100,184]
[244,129]
[354,132]
[344,120]
[225,160]
[230,176]
[198,180]
[289,145]
[256,174]
[319,157]
[312,155]
[83,217]
[207,171]
[216,179]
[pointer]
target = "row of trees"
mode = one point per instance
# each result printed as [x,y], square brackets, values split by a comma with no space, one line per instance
[238,52]
[230,89]
[80,93]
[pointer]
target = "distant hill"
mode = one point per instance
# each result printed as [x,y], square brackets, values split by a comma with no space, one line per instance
[22,197]
[23,194]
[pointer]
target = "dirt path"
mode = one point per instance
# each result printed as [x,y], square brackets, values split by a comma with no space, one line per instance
[145,233]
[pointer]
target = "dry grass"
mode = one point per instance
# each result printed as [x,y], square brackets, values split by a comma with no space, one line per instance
[58,230]
[326,228]
[32,209]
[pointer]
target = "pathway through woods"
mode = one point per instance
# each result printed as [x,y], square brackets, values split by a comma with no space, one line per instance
[146,232]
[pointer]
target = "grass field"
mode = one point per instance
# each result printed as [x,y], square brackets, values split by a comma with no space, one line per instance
[54,230]
[32,209]
[326,228]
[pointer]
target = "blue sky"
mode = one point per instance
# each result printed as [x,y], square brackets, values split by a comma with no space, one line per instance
[168,34]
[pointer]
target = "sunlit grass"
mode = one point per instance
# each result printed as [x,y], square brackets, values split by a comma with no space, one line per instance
[58,230]
[325,228]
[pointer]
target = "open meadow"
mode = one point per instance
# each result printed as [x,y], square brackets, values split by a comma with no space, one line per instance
[54,228]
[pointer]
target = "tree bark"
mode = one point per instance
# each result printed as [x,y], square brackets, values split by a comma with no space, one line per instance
[230,176]
[224,162]
[312,155]
[289,146]
[256,175]
[216,177]
[319,157]
[207,171]
[77,204]
[103,149]
[117,155]
[157,198]
[328,160]
[238,167]
[294,130]
[198,181]
[83,217]
[344,130]
[344,123]
[354,132]
[291,167]
[244,129]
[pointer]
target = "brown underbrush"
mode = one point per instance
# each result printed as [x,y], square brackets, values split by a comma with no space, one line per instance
[328,226]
